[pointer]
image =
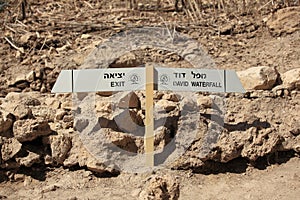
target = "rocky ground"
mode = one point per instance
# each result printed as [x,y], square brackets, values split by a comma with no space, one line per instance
[246,146]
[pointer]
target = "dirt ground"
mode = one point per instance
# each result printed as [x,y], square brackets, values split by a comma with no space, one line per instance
[275,182]
[55,35]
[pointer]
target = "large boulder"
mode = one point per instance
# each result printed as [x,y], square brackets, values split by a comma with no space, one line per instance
[291,79]
[30,129]
[80,156]
[258,78]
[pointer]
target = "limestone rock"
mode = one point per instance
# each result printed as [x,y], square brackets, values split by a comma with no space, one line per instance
[78,155]
[205,102]
[188,104]
[67,105]
[53,103]
[60,114]
[258,78]
[30,129]
[160,187]
[166,105]
[29,160]
[171,97]
[285,20]
[30,77]
[95,166]
[291,79]
[22,111]
[128,120]
[130,100]
[10,148]
[250,144]
[104,108]
[60,146]
[44,112]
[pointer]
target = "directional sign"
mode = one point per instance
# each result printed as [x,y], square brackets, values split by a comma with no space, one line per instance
[182,79]
[93,80]
[130,79]
[146,78]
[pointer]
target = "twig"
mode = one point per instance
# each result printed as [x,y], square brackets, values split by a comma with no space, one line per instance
[265,5]
[21,23]
[88,4]
[43,44]
[14,46]
[13,30]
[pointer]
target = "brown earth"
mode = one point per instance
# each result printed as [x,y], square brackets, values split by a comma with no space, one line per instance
[253,155]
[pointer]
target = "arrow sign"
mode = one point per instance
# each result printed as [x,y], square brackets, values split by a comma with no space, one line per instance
[93,80]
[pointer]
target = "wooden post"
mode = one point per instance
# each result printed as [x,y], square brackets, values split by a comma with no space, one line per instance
[149,121]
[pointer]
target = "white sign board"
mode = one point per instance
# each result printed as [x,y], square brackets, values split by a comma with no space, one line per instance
[192,79]
[130,79]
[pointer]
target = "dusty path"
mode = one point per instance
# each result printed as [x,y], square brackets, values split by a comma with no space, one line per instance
[276,182]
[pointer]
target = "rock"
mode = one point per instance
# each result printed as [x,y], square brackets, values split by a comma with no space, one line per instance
[205,102]
[22,111]
[127,60]
[168,106]
[19,177]
[29,160]
[250,144]
[53,103]
[10,148]
[104,108]
[124,141]
[50,188]
[60,146]
[160,187]
[284,21]
[130,100]
[44,112]
[67,105]
[171,97]
[60,115]
[258,78]
[78,155]
[5,123]
[291,79]
[30,129]
[95,166]
[19,80]
[188,104]
[128,120]
[157,95]
[30,77]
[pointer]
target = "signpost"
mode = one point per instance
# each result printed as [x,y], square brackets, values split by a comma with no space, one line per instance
[146,78]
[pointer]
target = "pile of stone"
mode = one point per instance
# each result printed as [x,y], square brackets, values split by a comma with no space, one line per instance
[37,129]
